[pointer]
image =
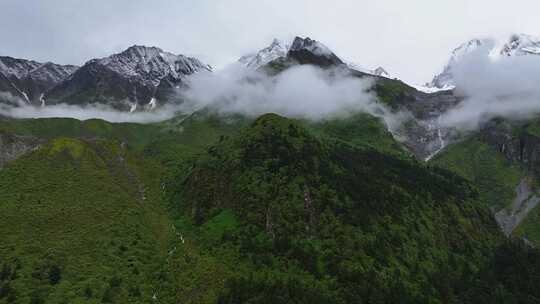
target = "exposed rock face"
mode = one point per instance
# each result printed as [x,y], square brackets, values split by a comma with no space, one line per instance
[13,146]
[308,51]
[522,148]
[128,79]
[422,132]
[29,80]
[525,201]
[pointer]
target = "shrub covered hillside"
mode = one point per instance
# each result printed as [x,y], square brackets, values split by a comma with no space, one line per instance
[305,219]
[82,222]
[207,208]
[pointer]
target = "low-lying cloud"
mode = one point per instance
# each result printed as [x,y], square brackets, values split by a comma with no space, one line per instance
[87,112]
[301,92]
[507,87]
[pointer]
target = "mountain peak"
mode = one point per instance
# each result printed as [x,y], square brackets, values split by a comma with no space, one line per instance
[313,46]
[276,49]
[445,79]
[309,51]
[136,76]
[303,50]
[380,71]
[521,44]
[17,68]
[30,79]
[139,60]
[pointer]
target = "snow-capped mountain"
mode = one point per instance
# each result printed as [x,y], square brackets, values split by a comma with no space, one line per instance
[521,44]
[300,51]
[150,64]
[380,71]
[29,80]
[517,45]
[276,49]
[445,80]
[127,80]
[309,51]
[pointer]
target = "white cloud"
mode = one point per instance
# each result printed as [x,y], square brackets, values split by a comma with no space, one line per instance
[87,112]
[302,92]
[495,87]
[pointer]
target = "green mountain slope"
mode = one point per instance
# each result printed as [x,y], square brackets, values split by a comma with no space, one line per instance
[497,159]
[82,222]
[318,221]
[208,208]
[482,164]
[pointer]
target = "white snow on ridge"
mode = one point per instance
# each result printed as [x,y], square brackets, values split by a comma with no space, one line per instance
[430,89]
[153,103]
[516,45]
[380,71]
[274,51]
[520,45]
[151,64]
[445,78]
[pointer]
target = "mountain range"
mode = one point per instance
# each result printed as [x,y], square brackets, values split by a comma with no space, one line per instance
[385,205]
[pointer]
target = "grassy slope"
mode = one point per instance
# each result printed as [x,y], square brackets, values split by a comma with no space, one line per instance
[391,91]
[49,128]
[530,227]
[533,128]
[81,222]
[495,177]
[360,129]
[91,214]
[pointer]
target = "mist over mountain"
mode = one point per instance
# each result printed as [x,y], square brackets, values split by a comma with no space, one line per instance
[500,87]
[288,176]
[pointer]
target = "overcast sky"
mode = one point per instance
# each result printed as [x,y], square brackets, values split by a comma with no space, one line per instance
[412,39]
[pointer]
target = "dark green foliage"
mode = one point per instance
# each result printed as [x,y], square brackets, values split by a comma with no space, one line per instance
[203,209]
[54,275]
[495,177]
[392,92]
[71,213]
[360,129]
[358,224]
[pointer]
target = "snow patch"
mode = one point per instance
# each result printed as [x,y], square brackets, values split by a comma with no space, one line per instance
[275,50]
[42,99]
[153,103]
[430,89]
